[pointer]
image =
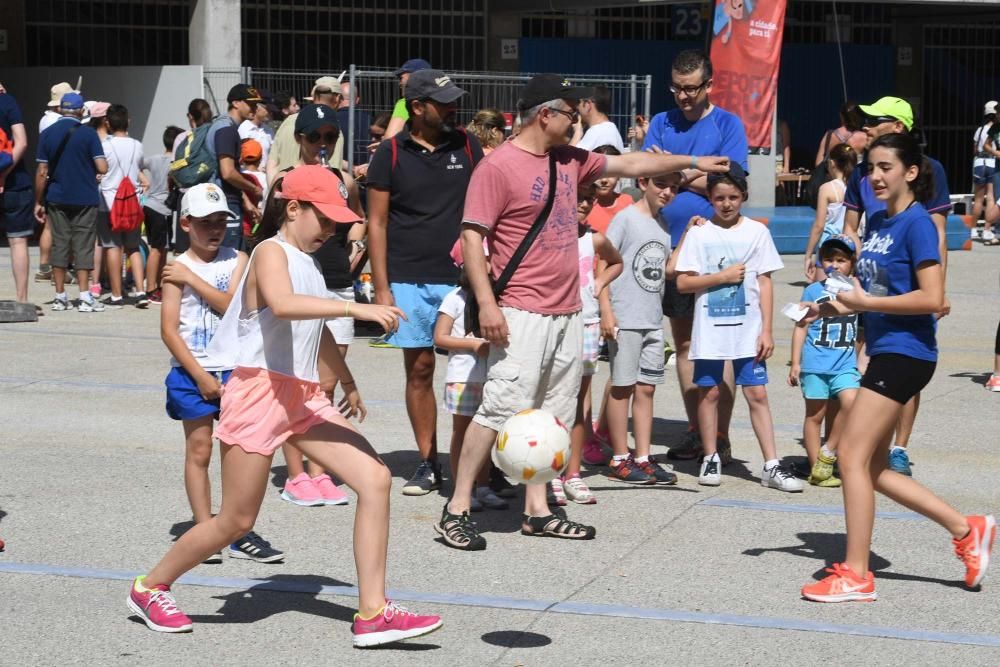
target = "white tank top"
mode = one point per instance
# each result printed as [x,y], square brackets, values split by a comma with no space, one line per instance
[591,309]
[258,339]
[198,321]
[835,211]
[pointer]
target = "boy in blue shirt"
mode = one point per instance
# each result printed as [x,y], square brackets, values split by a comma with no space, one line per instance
[825,366]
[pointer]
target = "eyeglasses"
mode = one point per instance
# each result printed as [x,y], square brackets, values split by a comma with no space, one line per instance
[690,91]
[573,116]
[315,137]
[872,121]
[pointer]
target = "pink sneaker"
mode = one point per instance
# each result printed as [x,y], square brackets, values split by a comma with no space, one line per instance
[156,606]
[329,492]
[302,491]
[392,624]
[594,454]
[95,290]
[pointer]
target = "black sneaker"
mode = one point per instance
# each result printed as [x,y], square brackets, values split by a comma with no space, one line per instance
[254,547]
[689,448]
[725,449]
[427,478]
[657,472]
[141,300]
[500,485]
[459,532]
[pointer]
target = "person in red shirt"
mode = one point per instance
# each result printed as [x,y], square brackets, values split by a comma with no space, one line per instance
[607,201]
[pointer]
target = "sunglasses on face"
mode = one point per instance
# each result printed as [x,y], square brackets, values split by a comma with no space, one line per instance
[872,121]
[690,91]
[572,115]
[315,137]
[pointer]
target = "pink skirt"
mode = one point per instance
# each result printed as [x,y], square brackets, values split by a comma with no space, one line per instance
[261,409]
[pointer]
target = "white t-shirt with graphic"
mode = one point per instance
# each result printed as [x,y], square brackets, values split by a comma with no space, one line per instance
[462,366]
[727,318]
[198,321]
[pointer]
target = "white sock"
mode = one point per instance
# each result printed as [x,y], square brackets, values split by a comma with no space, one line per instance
[714,457]
[826,452]
[61,295]
[86,296]
[895,447]
[618,458]
[770,463]
[641,459]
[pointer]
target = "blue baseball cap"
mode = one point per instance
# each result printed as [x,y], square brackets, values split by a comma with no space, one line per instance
[71,102]
[840,242]
[412,65]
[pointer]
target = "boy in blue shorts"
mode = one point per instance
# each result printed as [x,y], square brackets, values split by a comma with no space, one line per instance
[726,262]
[197,288]
[825,365]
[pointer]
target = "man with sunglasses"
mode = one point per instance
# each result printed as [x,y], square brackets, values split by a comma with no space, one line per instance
[892,115]
[224,142]
[416,191]
[285,148]
[695,127]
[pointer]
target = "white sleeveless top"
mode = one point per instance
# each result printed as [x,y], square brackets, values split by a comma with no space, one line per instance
[835,212]
[198,321]
[258,339]
[591,309]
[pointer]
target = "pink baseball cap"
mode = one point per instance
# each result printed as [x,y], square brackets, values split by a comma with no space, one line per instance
[97,109]
[318,186]
[456,252]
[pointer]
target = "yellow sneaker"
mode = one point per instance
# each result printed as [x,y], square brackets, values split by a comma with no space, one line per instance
[823,469]
[829,482]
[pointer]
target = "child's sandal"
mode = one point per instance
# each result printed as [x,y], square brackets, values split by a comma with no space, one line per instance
[553,526]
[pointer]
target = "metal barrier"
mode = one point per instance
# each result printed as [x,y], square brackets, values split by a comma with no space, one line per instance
[378,90]
[217,82]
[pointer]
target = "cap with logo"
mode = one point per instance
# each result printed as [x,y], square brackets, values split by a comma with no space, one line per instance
[432,84]
[319,187]
[736,175]
[841,242]
[990,107]
[56,93]
[546,87]
[204,199]
[241,92]
[412,65]
[314,116]
[71,102]
[890,107]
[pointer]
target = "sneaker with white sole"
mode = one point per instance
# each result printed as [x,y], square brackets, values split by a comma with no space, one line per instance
[301,490]
[254,547]
[391,624]
[91,305]
[61,304]
[555,494]
[157,608]
[993,384]
[711,471]
[330,492]
[779,477]
[577,490]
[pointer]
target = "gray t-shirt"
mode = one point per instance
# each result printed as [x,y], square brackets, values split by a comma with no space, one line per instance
[158,167]
[637,294]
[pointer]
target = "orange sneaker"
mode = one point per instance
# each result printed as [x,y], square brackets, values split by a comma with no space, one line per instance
[843,585]
[974,549]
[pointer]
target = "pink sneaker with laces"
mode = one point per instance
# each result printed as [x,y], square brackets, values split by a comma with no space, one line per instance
[301,490]
[156,606]
[594,454]
[330,492]
[392,624]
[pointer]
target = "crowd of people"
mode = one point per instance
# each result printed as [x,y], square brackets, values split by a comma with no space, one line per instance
[517,257]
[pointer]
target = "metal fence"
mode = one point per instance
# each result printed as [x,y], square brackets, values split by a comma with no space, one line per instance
[377,91]
[217,82]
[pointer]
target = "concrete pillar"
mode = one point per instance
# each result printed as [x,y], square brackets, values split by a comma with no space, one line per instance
[214,38]
[503,27]
[13,33]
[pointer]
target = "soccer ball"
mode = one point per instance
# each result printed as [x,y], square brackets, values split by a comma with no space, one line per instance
[532,447]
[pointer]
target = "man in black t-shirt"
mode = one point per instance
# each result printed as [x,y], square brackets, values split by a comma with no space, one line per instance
[224,142]
[416,194]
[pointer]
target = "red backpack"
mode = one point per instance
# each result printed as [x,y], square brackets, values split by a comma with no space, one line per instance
[126,212]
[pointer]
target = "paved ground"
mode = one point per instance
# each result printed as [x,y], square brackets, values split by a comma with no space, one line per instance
[91,493]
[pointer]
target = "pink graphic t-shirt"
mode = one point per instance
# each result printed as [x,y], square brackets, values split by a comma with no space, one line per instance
[507,192]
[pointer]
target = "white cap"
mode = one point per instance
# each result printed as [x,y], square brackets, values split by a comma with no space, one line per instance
[203,200]
[990,107]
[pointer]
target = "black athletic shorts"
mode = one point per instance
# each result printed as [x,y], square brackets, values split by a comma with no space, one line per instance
[676,304]
[157,228]
[897,376]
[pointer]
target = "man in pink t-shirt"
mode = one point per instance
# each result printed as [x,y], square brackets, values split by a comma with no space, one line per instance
[535,329]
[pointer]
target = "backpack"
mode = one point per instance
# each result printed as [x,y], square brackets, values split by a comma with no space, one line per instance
[126,211]
[194,160]
[6,151]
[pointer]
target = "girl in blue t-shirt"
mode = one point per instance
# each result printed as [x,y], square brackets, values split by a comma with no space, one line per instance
[901,287]
[825,365]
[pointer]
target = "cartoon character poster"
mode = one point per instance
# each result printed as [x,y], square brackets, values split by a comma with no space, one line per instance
[746,55]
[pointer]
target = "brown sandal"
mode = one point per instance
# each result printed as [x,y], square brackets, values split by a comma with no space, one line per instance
[553,526]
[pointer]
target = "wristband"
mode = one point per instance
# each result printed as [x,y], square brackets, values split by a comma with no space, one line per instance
[347,309]
[694,161]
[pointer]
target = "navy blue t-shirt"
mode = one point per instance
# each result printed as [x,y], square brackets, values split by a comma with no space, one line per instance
[75,180]
[718,133]
[226,142]
[10,115]
[860,196]
[892,250]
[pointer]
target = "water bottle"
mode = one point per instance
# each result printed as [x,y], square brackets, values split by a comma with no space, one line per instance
[837,282]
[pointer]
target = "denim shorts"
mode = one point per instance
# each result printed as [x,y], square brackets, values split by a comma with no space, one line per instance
[420,303]
[821,386]
[708,372]
[17,213]
[184,400]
